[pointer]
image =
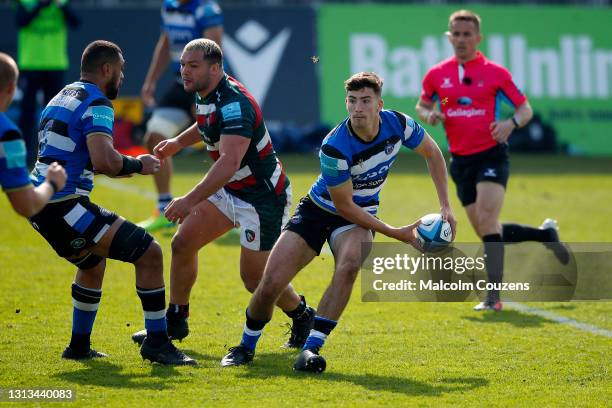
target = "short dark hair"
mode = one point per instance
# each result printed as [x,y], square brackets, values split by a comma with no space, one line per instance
[97,54]
[464,15]
[8,71]
[364,80]
[211,51]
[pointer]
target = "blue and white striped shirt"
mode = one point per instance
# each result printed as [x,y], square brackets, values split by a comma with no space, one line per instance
[79,110]
[183,22]
[13,170]
[344,156]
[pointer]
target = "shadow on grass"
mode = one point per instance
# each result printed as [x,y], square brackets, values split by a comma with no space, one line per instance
[266,366]
[512,317]
[103,373]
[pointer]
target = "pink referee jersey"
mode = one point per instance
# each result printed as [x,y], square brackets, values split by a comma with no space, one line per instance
[470,96]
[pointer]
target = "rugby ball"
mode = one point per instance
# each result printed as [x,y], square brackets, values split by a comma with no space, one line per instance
[434,233]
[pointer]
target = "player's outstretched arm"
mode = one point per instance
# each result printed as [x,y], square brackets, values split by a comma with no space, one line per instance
[170,147]
[107,160]
[430,151]
[28,201]
[342,196]
[232,149]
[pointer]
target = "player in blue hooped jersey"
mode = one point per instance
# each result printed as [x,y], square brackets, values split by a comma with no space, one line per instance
[182,22]
[76,130]
[14,179]
[340,208]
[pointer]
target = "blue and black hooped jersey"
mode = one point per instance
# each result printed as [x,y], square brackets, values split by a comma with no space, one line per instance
[13,171]
[80,109]
[344,156]
[185,22]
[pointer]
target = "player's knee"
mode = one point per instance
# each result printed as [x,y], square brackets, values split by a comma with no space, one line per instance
[270,287]
[152,257]
[88,262]
[95,273]
[130,243]
[347,271]
[250,284]
[181,245]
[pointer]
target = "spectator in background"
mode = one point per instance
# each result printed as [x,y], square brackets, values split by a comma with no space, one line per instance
[43,58]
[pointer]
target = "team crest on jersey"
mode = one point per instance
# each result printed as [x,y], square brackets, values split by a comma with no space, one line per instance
[389,148]
[249,235]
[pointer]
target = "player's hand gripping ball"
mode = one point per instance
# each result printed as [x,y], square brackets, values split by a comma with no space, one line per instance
[434,234]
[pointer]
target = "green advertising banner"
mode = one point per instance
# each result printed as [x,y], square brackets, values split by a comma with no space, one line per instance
[560,57]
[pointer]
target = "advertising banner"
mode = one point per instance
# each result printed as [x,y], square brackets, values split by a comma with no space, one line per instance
[560,57]
[270,51]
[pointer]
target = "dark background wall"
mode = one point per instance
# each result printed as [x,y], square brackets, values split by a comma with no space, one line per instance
[277,67]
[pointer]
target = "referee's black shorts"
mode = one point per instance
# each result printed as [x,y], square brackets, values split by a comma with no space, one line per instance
[489,165]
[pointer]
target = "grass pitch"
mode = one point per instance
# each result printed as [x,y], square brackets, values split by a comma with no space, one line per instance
[392,354]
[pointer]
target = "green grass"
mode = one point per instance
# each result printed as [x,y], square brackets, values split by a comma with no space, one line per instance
[391,354]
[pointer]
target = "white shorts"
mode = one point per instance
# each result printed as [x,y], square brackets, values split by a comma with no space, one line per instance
[168,122]
[260,225]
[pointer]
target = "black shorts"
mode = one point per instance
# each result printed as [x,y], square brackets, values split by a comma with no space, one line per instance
[72,226]
[489,165]
[176,97]
[315,225]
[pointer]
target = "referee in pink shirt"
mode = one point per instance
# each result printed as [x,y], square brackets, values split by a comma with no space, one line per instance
[468,89]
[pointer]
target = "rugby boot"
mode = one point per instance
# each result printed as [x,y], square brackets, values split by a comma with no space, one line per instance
[300,329]
[72,354]
[558,248]
[156,222]
[309,360]
[238,355]
[166,354]
[495,306]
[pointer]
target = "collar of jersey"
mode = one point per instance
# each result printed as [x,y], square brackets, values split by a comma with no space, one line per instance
[476,60]
[219,85]
[352,132]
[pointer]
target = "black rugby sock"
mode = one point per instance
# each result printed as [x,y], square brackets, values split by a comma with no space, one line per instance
[521,233]
[298,312]
[494,261]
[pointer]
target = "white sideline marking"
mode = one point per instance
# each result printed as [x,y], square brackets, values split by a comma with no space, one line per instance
[558,319]
[110,183]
